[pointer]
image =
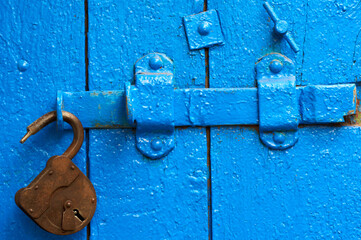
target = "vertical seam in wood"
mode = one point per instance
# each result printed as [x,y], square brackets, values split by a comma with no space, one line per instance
[86,29]
[304,42]
[208,135]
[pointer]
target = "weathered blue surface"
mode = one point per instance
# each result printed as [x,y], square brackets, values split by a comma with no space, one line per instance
[203,30]
[140,198]
[42,51]
[311,190]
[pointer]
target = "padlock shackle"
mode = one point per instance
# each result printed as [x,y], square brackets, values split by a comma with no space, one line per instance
[68,117]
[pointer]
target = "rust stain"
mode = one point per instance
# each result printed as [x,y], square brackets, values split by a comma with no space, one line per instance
[107,92]
[354,119]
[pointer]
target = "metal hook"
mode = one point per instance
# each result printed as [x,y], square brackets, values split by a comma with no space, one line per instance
[51,117]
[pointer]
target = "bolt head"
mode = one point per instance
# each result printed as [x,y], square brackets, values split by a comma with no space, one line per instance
[23,65]
[156,144]
[204,28]
[276,66]
[281,27]
[68,204]
[279,137]
[155,62]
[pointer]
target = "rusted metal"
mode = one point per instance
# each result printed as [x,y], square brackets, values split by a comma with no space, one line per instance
[61,199]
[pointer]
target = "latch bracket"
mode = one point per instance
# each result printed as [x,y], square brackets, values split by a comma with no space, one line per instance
[279,114]
[150,105]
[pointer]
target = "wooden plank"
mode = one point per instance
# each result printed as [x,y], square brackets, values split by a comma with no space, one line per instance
[309,190]
[139,198]
[50,37]
[331,42]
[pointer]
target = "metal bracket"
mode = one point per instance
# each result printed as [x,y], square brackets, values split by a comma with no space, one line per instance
[279,114]
[203,30]
[150,105]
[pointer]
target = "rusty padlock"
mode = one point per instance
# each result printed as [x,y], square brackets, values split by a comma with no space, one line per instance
[61,199]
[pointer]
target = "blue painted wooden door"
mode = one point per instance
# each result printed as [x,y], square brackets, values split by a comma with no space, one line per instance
[218,182]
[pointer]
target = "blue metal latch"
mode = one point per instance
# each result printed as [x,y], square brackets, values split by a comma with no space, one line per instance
[281,27]
[278,106]
[154,107]
[150,105]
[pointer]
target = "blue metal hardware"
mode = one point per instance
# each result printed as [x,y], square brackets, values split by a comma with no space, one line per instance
[281,27]
[278,102]
[212,106]
[154,107]
[203,30]
[150,105]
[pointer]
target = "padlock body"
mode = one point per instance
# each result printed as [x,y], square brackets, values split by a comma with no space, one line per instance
[61,199]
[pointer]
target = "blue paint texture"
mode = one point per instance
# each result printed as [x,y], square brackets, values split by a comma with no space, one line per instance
[139,198]
[308,191]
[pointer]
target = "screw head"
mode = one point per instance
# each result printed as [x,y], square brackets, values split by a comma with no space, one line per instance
[204,28]
[51,172]
[72,167]
[279,137]
[68,204]
[276,66]
[156,144]
[281,27]
[23,65]
[155,62]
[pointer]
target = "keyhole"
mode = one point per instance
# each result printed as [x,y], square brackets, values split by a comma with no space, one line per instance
[78,215]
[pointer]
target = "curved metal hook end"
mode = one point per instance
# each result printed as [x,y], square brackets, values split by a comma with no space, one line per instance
[51,117]
[26,136]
